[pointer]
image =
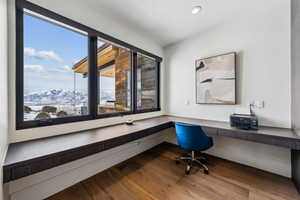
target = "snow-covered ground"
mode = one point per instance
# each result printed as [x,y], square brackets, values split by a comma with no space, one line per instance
[73,103]
[69,109]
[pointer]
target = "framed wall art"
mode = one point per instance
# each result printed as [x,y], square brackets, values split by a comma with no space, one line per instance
[215,79]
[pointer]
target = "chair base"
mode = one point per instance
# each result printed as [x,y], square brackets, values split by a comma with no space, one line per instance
[191,159]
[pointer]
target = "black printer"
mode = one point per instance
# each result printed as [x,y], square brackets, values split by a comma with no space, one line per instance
[245,122]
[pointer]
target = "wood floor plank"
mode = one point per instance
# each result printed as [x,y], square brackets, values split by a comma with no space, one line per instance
[169,170]
[76,192]
[260,195]
[134,187]
[115,188]
[94,190]
[252,178]
[154,182]
[153,175]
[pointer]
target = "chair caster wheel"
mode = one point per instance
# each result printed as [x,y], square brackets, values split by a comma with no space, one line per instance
[187,172]
[205,171]
[177,162]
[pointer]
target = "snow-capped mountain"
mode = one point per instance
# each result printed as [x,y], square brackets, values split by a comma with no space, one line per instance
[55,97]
[61,97]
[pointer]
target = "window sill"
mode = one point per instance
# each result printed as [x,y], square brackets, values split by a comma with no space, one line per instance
[60,129]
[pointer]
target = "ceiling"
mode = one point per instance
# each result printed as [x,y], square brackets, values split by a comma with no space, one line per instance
[169,21]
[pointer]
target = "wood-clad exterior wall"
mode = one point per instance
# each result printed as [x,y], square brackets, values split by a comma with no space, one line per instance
[147,78]
[122,79]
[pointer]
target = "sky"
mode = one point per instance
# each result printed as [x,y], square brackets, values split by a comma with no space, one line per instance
[50,51]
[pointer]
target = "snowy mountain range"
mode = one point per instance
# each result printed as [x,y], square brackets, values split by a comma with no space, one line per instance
[62,97]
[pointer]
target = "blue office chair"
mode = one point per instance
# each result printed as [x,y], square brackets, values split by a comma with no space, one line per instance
[193,139]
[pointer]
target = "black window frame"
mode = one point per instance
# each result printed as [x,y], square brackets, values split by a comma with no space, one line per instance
[132,88]
[157,72]
[93,36]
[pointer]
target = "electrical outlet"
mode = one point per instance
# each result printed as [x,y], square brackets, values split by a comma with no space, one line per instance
[257,104]
[260,104]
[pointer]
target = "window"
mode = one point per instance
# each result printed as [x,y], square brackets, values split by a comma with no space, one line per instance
[146,83]
[53,85]
[114,78]
[68,72]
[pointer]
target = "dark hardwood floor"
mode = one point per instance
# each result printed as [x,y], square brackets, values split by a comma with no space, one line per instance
[153,175]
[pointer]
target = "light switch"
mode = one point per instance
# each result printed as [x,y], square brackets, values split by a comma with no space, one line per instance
[187,102]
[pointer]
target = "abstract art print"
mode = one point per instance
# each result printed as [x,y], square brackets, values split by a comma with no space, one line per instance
[215,79]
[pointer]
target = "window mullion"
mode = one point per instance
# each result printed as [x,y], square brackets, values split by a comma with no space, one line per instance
[93,78]
[158,85]
[134,82]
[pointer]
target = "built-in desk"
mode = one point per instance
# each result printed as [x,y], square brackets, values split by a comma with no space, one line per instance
[26,158]
[267,135]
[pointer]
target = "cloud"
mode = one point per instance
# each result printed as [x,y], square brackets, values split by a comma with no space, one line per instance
[67,68]
[36,68]
[62,69]
[44,55]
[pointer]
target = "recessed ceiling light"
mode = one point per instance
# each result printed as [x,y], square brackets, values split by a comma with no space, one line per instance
[196,9]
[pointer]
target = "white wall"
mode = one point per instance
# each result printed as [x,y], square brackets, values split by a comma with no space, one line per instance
[3,86]
[94,19]
[261,38]
[262,42]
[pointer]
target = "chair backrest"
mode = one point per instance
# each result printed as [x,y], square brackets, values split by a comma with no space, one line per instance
[191,137]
